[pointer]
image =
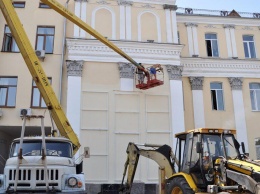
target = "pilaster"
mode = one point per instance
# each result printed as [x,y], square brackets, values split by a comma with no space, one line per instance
[171,23]
[198,101]
[176,91]
[192,39]
[126,71]
[74,70]
[239,109]
[230,39]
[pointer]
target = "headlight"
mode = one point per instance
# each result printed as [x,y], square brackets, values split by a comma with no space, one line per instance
[72,181]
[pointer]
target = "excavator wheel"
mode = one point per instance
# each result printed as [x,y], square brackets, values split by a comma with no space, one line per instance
[179,185]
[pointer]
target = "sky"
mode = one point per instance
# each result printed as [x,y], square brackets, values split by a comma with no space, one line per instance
[252,6]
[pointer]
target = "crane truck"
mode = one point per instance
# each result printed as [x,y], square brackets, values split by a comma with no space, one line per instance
[209,161]
[39,163]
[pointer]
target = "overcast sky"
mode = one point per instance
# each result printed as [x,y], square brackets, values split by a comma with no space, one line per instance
[228,5]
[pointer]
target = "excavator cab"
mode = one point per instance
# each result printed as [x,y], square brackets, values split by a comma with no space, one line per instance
[201,151]
[150,77]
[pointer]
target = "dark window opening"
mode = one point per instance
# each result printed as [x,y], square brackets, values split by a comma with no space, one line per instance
[43,5]
[19,4]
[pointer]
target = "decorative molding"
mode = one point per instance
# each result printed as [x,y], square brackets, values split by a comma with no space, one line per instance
[148,6]
[74,68]
[247,28]
[174,72]
[229,26]
[148,53]
[103,2]
[126,70]
[188,24]
[210,26]
[196,83]
[170,7]
[205,67]
[124,2]
[81,0]
[236,83]
[158,2]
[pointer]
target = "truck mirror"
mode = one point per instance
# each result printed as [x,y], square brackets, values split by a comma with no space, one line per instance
[86,152]
[198,147]
[243,147]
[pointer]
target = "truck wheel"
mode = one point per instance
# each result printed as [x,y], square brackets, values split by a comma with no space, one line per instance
[179,185]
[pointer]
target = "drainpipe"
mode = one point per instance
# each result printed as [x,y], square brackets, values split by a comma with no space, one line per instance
[63,51]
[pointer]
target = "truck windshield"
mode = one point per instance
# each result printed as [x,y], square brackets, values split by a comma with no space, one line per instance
[58,149]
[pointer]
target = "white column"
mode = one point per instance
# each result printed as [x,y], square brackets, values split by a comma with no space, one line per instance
[198,102]
[195,39]
[126,71]
[74,70]
[239,110]
[229,47]
[174,26]
[128,20]
[77,13]
[122,21]
[233,41]
[83,17]
[190,39]
[177,106]
[168,25]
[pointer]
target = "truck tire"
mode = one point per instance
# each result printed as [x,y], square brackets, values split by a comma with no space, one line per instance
[179,185]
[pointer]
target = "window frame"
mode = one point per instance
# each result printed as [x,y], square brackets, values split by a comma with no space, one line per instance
[7,92]
[44,6]
[19,3]
[216,95]
[13,45]
[211,45]
[44,42]
[40,100]
[256,105]
[248,46]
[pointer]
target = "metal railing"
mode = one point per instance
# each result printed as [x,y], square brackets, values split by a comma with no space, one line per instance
[221,13]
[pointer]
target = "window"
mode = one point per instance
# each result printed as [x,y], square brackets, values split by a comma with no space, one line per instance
[211,45]
[37,100]
[43,5]
[9,44]
[8,86]
[249,46]
[217,96]
[19,4]
[45,39]
[255,95]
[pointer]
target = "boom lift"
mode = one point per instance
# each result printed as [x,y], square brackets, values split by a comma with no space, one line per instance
[211,163]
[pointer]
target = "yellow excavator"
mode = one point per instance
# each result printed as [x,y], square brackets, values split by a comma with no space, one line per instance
[209,161]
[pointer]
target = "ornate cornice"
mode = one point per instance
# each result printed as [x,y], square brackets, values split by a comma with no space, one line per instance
[229,26]
[196,83]
[188,24]
[124,2]
[74,68]
[236,83]
[210,26]
[158,2]
[126,70]
[103,2]
[81,0]
[247,28]
[148,53]
[170,7]
[174,72]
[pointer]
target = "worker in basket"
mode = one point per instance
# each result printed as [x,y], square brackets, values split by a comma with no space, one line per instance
[153,70]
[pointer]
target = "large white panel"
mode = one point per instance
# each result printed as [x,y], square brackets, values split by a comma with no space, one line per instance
[158,122]
[95,169]
[97,141]
[162,138]
[121,143]
[157,103]
[94,119]
[127,122]
[126,103]
[94,100]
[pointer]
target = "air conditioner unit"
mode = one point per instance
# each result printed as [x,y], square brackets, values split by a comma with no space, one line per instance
[25,112]
[40,53]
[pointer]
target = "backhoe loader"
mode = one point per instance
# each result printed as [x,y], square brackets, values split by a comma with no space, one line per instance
[209,161]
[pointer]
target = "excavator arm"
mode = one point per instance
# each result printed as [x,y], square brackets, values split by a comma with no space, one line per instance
[162,156]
